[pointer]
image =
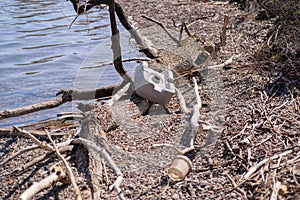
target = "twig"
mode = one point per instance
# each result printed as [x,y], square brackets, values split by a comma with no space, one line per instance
[196,114]
[10,132]
[263,141]
[102,151]
[62,149]
[30,148]
[36,187]
[110,63]
[69,170]
[73,21]
[181,152]
[63,97]
[70,116]
[261,163]
[226,63]
[235,186]
[180,33]
[43,145]
[200,18]
[187,30]
[164,28]
[181,101]
[222,37]
[167,145]
[275,191]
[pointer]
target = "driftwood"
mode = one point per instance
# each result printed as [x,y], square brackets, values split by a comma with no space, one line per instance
[69,170]
[30,148]
[80,9]
[27,134]
[10,132]
[102,151]
[93,141]
[63,97]
[188,137]
[115,39]
[57,175]
[48,155]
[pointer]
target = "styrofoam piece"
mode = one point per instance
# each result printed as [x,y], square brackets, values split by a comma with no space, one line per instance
[152,85]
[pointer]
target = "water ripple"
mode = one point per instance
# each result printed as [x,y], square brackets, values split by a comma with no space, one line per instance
[39,54]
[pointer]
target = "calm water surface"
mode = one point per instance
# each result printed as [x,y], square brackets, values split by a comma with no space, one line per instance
[39,54]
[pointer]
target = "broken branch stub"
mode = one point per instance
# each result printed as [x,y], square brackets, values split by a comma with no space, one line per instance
[57,175]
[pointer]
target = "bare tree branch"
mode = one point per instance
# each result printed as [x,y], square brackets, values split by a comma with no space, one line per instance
[64,96]
[69,170]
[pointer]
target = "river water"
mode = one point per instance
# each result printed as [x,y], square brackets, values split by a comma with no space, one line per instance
[40,54]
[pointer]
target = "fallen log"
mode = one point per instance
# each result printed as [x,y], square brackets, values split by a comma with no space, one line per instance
[63,96]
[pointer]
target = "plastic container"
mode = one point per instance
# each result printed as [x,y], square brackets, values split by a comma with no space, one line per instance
[152,85]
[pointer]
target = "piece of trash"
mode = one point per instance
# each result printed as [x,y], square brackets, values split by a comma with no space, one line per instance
[152,85]
[179,168]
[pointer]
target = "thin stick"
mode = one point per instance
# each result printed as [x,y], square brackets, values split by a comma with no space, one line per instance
[198,99]
[119,94]
[62,149]
[261,163]
[73,21]
[222,37]
[30,148]
[181,152]
[69,170]
[167,145]
[181,101]
[187,30]
[196,113]
[102,151]
[224,64]
[181,32]
[164,28]
[43,145]
[111,63]
[235,186]
[200,18]
[275,191]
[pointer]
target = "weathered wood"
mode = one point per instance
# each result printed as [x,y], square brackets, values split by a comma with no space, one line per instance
[115,39]
[64,96]
[69,170]
[80,9]
[47,182]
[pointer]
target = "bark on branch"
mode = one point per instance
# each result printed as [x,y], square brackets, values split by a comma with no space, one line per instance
[80,9]
[63,97]
[115,39]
